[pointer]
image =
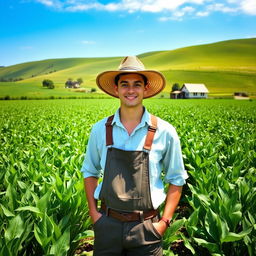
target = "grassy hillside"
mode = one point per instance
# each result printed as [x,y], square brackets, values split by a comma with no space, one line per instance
[224,67]
[239,55]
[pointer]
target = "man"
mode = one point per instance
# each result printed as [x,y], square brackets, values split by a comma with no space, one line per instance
[132,148]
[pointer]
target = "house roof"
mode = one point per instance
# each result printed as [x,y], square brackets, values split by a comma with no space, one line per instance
[196,88]
[175,92]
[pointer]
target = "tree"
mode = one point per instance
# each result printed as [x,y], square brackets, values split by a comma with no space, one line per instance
[48,83]
[51,86]
[69,83]
[80,80]
[175,87]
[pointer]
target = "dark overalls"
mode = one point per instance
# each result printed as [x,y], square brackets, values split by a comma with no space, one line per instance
[125,227]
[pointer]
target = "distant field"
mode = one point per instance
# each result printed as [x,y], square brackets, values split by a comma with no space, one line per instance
[225,67]
[218,82]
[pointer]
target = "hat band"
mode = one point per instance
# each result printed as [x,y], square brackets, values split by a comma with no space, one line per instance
[131,68]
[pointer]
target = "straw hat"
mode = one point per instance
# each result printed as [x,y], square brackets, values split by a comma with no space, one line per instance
[131,64]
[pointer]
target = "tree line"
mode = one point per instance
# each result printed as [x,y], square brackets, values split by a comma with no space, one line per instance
[70,83]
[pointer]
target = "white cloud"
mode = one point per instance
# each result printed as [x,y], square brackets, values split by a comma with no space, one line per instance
[202,14]
[221,8]
[47,2]
[188,9]
[88,42]
[82,7]
[123,5]
[111,7]
[233,1]
[251,36]
[164,18]
[170,8]
[249,6]
[179,14]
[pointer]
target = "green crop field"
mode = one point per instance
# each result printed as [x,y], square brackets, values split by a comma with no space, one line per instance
[224,67]
[43,209]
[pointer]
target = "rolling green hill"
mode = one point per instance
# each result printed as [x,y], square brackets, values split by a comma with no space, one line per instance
[224,67]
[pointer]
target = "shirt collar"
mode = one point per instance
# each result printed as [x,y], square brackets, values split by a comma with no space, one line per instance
[144,120]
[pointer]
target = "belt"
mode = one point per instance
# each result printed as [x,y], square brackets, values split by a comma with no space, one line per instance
[129,216]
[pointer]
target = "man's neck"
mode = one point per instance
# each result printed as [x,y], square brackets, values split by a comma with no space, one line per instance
[131,117]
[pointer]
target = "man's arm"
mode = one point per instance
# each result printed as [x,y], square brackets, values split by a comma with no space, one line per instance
[90,185]
[171,203]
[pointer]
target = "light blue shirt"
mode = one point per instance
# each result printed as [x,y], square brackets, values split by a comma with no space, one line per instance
[165,155]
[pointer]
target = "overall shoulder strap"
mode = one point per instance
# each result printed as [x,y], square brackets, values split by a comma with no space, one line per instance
[109,130]
[151,133]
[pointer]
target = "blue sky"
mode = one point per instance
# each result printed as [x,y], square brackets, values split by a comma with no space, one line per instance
[42,29]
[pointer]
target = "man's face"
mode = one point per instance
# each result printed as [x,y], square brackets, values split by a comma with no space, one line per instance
[131,90]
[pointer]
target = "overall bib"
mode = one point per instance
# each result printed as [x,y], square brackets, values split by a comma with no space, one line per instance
[125,227]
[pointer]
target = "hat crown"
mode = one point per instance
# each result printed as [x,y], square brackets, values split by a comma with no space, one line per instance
[131,63]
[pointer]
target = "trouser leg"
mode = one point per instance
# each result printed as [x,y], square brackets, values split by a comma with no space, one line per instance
[146,250]
[142,239]
[108,237]
[115,238]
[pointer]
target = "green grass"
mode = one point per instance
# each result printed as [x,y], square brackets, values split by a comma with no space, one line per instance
[226,55]
[216,81]
[225,67]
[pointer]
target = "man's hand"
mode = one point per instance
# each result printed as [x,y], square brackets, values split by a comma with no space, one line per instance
[160,226]
[95,216]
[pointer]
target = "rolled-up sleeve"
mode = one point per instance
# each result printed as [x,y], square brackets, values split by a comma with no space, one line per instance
[91,165]
[175,172]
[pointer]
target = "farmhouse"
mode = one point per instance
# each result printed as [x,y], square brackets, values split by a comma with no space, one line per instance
[72,84]
[241,96]
[191,91]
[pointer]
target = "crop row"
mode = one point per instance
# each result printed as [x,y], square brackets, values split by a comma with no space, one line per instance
[43,209]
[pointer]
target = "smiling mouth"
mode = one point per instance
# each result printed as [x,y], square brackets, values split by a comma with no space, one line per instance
[130,97]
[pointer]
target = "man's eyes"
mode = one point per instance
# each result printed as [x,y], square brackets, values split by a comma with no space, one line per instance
[125,85]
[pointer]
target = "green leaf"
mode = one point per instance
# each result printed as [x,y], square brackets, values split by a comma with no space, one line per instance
[38,234]
[29,208]
[11,195]
[213,225]
[7,212]
[4,251]
[204,199]
[83,235]
[61,246]
[235,217]
[198,160]
[165,253]
[251,218]
[15,228]
[191,224]
[41,239]
[212,247]
[44,230]
[188,244]
[175,226]
[232,237]
[43,202]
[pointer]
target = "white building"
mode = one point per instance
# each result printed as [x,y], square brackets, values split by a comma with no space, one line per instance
[194,91]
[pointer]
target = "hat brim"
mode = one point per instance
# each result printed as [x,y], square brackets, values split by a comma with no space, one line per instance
[156,81]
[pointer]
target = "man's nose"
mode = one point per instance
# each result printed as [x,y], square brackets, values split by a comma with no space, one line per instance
[130,88]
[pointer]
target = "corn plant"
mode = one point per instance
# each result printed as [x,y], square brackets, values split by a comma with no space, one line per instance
[43,210]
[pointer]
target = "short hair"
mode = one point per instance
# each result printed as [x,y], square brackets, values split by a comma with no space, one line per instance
[117,77]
